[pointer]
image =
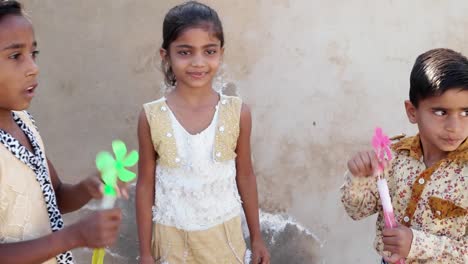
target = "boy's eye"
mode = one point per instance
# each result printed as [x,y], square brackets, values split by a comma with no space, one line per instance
[464,113]
[439,112]
[34,54]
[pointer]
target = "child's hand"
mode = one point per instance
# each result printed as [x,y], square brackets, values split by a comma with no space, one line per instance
[364,164]
[260,252]
[95,187]
[99,229]
[122,189]
[397,241]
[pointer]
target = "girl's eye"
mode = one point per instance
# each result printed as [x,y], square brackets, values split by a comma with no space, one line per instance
[14,56]
[464,113]
[211,52]
[184,52]
[439,112]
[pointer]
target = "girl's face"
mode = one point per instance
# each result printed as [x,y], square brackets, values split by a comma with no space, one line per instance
[18,69]
[195,57]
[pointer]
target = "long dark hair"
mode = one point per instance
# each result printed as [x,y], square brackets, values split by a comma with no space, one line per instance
[191,14]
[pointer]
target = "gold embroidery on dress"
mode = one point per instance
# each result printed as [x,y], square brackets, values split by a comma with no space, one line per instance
[162,134]
[227,131]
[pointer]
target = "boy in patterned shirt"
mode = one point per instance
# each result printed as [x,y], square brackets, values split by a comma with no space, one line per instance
[428,177]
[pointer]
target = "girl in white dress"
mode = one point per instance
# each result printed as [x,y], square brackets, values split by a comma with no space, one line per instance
[195,170]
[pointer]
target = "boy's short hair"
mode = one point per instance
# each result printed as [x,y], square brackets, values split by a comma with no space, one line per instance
[437,71]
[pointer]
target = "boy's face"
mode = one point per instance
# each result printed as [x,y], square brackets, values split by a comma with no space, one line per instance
[442,120]
[18,69]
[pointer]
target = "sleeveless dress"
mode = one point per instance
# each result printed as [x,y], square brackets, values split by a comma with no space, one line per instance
[197,205]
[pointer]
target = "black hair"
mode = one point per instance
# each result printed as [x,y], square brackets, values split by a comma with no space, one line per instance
[437,71]
[10,7]
[191,14]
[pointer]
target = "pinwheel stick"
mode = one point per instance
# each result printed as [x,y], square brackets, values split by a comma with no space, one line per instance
[381,144]
[108,202]
[113,170]
[387,207]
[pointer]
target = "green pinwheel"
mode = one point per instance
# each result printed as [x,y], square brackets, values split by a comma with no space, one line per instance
[112,170]
[115,169]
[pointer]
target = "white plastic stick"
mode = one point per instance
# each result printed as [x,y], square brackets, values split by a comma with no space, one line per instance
[389,216]
[108,202]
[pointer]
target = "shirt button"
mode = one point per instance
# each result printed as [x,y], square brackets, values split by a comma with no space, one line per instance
[177,160]
[421,181]
[221,128]
[163,108]
[169,135]
[224,102]
[406,219]
[218,154]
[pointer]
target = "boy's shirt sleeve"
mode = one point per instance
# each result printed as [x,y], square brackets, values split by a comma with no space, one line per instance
[359,196]
[440,248]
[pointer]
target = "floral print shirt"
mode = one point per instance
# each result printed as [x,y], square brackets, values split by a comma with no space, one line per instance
[432,201]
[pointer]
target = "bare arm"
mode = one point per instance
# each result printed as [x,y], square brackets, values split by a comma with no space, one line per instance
[71,197]
[145,186]
[41,249]
[97,230]
[247,185]
[246,182]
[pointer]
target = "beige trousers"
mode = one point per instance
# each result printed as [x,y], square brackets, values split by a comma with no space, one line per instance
[221,244]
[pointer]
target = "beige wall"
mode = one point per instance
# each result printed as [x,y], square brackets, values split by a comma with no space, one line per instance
[319,75]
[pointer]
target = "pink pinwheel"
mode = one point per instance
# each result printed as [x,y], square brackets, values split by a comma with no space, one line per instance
[381,144]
